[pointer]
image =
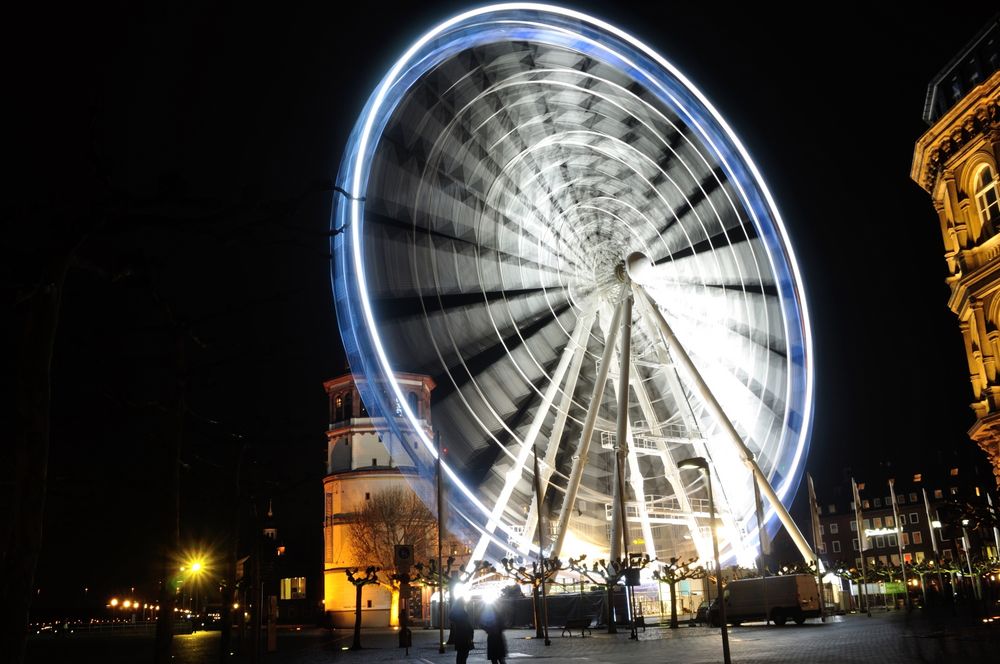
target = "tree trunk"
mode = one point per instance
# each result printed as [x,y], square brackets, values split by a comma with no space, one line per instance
[394,608]
[536,611]
[612,627]
[673,605]
[357,618]
[37,319]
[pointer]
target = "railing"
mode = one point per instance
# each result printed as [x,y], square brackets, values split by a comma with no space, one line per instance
[660,507]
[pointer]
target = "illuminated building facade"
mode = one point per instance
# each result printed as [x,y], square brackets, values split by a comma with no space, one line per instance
[955,161]
[360,464]
[955,489]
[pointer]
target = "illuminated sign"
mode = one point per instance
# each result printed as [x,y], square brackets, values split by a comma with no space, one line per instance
[880,531]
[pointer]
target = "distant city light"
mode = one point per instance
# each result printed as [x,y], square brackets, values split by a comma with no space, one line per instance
[876,532]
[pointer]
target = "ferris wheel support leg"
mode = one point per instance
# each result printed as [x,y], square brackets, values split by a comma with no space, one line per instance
[583,448]
[559,425]
[715,410]
[670,472]
[513,475]
[619,523]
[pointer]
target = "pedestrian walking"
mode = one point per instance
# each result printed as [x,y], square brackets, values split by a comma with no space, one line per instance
[461,631]
[496,646]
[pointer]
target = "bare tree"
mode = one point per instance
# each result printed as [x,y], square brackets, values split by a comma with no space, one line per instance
[672,572]
[608,573]
[521,575]
[392,516]
[359,582]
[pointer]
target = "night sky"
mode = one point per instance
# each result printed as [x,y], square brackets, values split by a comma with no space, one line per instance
[197,147]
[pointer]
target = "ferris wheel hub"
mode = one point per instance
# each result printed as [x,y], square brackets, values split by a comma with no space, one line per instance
[620,271]
[639,267]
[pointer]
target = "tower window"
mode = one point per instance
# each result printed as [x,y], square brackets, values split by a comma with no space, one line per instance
[412,401]
[987,198]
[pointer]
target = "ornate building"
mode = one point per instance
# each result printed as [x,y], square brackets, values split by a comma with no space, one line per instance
[956,162]
[359,464]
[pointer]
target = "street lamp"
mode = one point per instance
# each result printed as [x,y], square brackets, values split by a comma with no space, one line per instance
[701,465]
[192,571]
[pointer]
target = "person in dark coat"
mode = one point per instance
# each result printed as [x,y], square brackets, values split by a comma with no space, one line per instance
[461,631]
[496,646]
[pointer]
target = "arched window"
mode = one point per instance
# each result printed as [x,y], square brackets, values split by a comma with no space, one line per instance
[348,405]
[338,408]
[364,411]
[412,400]
[987,199]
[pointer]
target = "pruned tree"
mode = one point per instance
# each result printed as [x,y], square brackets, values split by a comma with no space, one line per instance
[672,572]
[450,575]
[392,516]
[607,573]
[359,582]
[535,576]
[800,567]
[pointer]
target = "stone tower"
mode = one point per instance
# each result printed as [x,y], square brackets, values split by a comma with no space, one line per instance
[359,463]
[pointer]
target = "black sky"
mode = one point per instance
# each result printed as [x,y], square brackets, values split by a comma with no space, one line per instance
[205,135]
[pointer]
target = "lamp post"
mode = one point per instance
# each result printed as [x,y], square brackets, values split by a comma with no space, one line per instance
[973,578]
[701,465]
[192,571]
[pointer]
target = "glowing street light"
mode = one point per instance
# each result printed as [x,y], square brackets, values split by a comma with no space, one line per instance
[193,569]
[701,465]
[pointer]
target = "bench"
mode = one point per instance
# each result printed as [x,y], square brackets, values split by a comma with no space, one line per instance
[582,624]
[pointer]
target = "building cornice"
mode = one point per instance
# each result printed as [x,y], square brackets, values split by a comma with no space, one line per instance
[402,377]
[371,471]
[974,116]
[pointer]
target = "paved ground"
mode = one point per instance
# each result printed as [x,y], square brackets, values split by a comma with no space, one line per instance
[886,638]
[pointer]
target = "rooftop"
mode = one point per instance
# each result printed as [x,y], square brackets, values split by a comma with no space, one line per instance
[970,67]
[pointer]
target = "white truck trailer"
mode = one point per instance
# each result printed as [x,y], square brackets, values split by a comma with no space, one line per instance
[780,598]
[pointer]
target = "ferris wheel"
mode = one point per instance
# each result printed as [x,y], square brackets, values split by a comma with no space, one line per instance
[548,218]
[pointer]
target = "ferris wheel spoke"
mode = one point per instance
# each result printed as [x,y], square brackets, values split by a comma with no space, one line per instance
[410,306]
[723,240]
[514,474]
[408,229]
[465,370]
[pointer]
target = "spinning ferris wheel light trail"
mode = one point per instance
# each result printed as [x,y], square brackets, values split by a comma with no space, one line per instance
[536,205]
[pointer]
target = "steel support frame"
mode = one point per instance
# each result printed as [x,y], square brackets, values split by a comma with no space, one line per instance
[583,447]
[682,359]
